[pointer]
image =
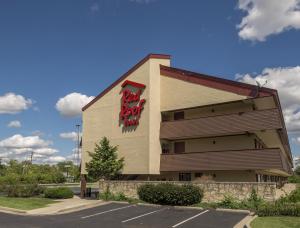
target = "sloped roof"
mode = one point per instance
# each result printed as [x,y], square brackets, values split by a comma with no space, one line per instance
[216,82]
[136,66]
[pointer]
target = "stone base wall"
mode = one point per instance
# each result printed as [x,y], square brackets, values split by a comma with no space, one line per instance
[213,192]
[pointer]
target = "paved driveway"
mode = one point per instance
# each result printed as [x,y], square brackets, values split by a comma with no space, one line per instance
[116,215]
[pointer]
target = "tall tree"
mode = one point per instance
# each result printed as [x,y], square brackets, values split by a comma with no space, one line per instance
[104,163]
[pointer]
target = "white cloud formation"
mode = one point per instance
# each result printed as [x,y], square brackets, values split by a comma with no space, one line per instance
[266,17]
[287,81]
[71,104]
[14,124]
[21,147]
[11,103]
[54,159]
[69,135]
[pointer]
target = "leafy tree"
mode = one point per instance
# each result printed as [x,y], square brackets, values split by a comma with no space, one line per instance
[105,163]
[297,170]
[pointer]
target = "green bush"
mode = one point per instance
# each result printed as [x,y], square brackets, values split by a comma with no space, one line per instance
[14,186]
[170,194]
[279,209]
[59,193]
[294,179]
[229,202]
[107,195]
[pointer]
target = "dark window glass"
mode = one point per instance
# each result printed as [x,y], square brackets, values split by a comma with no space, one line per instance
[178,115]
[179,147]
[185,177]
[198,174]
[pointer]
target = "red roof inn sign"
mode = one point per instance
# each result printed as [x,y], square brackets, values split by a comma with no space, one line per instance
[131,103]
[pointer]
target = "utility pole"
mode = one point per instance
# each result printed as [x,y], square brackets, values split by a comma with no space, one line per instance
[31,157]
[77,160]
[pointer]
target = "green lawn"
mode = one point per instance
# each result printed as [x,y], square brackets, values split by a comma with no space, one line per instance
[24,203]
[276,222]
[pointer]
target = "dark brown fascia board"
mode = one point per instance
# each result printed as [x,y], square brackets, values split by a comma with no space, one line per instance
[216,104]
[215,82]
[284,136]
[150,56]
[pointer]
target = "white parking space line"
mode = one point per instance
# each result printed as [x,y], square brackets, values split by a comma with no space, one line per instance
[149,213]
[184,221]
[104,212]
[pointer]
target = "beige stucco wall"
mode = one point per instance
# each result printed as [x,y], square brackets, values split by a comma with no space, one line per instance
[178,94]
[140,146]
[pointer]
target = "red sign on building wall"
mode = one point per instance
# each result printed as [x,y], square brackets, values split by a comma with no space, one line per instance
[131,103]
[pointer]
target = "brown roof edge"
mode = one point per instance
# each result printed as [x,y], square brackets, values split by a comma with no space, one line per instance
[136,66]
[215,82]
[284,137]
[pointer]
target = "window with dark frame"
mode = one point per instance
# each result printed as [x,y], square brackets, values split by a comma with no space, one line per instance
[179,115]
[185,177]
[179,147]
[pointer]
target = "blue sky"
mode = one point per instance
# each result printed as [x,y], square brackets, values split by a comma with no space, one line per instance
[50,49]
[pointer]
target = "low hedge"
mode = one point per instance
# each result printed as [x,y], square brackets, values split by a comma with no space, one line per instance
[59,193]
[170,194]
[279,209]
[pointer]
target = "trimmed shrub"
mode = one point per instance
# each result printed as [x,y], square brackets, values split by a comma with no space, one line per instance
[59,193]
[170,194]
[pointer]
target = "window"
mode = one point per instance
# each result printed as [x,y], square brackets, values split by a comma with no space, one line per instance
[198,174]
[185,177]
[178,115]
[165,148]
[179,147]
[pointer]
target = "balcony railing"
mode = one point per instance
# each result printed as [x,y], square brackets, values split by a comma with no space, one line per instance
[255,159]
[228,124]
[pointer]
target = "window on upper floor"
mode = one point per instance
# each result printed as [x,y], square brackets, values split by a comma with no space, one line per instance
[179,147]
[179,115]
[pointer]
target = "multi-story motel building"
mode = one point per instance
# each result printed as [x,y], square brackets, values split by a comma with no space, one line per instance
[173,124]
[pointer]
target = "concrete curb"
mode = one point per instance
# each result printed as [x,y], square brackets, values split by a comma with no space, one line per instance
[79,208]
[150,204]
[188,207]
[245,222]
[234,210]
[12,210]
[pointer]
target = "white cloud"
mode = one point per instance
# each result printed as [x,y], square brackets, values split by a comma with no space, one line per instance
[21,147]
[266,17]
[54,159]
[14,124]
[287,81]
[18,141]
[69,135]
[71,104]
[11,103]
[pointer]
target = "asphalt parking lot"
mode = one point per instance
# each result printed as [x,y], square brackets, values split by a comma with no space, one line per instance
[116,215]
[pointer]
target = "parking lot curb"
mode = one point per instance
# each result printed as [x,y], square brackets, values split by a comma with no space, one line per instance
[245,223]
[81,207]
[150,204]
[12,210]
[234,210]
[188,207]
